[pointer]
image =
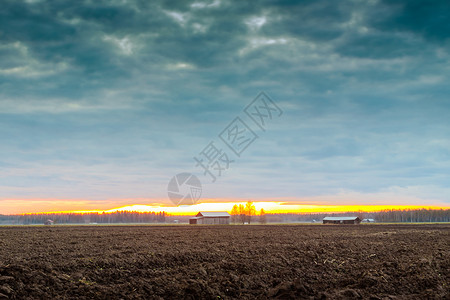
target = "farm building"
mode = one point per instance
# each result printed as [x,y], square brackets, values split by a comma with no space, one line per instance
[341,220]
[216,217]
[368,221]
[48,222]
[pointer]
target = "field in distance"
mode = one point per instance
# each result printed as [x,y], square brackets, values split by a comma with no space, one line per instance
[229,262]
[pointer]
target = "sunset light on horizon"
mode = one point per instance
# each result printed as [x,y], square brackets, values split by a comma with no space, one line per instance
[268,206]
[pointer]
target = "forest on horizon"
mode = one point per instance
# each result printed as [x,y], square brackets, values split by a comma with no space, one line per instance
[385,216]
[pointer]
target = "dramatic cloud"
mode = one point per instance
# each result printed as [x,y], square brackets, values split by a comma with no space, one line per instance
[110,99]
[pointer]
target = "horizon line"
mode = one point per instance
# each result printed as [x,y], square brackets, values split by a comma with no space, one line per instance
[271,207]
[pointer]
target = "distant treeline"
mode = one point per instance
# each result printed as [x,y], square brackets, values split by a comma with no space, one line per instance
[86,218]
[418,215]
[384,216]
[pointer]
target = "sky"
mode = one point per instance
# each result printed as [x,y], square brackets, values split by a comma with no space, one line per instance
[103,102]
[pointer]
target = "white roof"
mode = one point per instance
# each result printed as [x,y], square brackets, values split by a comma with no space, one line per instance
[214,214]
[340,218]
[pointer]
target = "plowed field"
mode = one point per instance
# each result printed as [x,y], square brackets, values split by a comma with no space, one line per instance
[225,262]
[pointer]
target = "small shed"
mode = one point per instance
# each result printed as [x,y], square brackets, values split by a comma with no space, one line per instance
[194,220]
[368,220]
[211,217]
[341,220]
[48,222]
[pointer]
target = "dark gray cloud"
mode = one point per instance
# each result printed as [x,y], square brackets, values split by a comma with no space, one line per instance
[429,19]
[310,20]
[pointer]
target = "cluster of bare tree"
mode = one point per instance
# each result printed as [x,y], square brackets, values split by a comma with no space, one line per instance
[239,214]
[243,213]
[85,218]
[416,215]
[386,216]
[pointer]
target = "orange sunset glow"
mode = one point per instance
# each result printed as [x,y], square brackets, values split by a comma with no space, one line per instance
[269,207]
[84,206]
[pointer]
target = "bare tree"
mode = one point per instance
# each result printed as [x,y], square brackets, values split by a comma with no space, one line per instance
[250,210]
[234,213]
[242,214]
[361,215]
[262,216]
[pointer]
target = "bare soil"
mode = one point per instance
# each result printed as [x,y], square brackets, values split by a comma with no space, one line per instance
[225,262]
